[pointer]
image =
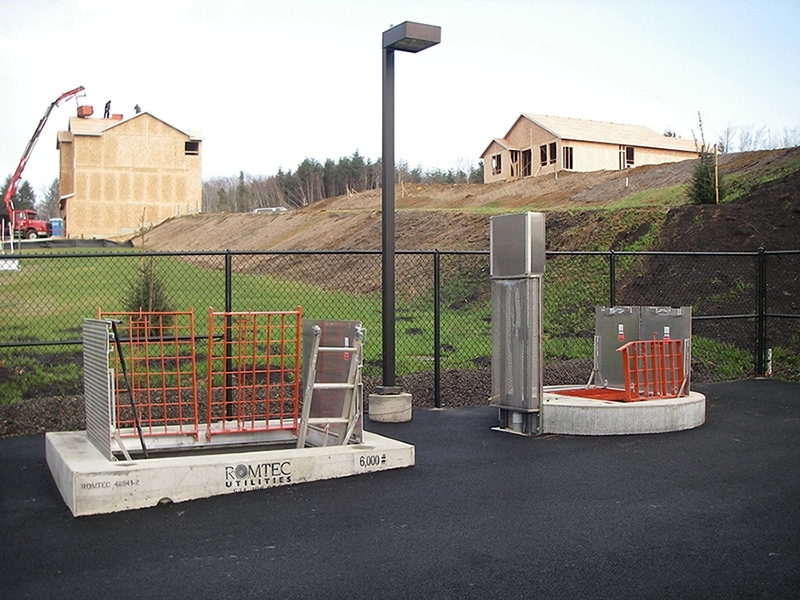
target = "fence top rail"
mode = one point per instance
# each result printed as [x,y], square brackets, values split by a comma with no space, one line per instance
[125,252]
[645,253]
[549,253]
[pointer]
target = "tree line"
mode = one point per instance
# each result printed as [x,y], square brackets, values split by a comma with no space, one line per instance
[747,138]
[313,181]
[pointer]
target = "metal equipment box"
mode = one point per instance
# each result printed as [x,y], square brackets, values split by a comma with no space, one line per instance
[619,325]
[517,249]
[516,343]
[517,245]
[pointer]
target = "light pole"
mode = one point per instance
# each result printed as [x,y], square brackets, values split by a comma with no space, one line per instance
[406,37]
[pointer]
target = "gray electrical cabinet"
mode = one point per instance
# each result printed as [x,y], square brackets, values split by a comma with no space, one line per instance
[517,245]
[618,325]
[517,250]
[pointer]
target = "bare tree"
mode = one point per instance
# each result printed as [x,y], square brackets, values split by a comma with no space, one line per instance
[310,181]
[464,170]
[48,207]
[725,139]
[214,194]
[791,137]
[746,138]
[761,138]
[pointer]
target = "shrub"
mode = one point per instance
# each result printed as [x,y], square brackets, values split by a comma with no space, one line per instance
[705,186]
[147,291]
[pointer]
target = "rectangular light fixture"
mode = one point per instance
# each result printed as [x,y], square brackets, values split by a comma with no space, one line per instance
[411,37]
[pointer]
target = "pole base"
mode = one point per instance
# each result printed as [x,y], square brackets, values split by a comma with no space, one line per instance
[390,408]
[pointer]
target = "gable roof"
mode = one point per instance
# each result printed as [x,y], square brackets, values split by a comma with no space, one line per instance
[584,130]
[502,142]
[87,126]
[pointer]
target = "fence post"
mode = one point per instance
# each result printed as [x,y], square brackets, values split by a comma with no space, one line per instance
[761,313]
[612,276]
[437,350]
[228,345]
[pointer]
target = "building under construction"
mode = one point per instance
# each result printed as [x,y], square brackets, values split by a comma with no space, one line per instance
[120,175]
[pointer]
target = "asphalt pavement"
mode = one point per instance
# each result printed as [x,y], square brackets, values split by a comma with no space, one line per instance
[713,512]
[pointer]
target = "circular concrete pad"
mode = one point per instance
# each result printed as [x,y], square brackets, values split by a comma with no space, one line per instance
[572,415]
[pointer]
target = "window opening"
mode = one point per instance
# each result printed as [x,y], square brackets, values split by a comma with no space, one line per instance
[568,164]
[526,163]
[543,155]
[625,157]
[191,148]
[497,166]
[552,152]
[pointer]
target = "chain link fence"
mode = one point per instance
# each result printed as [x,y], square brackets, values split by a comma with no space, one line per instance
[746,318]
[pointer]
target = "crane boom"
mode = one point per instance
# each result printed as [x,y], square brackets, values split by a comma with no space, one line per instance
[15,178]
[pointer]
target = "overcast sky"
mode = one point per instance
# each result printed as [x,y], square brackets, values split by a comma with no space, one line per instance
[269,83]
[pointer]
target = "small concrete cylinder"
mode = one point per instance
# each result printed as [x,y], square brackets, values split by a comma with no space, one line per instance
[390,408]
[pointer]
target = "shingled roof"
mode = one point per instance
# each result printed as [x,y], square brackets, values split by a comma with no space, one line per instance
[584,130]
[602,132]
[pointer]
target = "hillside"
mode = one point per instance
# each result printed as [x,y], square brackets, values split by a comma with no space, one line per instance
[641,208]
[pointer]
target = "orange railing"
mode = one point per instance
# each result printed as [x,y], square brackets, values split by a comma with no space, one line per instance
[253,367]
[253,371]
[652,369]
[159,355]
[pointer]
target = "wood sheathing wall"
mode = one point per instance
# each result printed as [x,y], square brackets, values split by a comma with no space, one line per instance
[119,176]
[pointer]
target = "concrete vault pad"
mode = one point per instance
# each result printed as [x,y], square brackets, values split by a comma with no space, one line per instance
[90,484]
[573,415]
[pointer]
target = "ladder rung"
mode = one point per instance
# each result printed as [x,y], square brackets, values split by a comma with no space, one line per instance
[334,386]
[320,420]
[335,349]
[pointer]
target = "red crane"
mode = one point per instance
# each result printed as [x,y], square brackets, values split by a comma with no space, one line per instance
[15,179]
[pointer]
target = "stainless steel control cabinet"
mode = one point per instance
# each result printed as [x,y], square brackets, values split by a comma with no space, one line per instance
[517,247]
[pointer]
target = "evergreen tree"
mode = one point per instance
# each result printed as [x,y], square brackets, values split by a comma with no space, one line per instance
[242,196]
[147,292]
[705,186]
[24,197]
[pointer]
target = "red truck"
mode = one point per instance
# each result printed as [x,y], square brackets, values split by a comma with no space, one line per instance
[26,225]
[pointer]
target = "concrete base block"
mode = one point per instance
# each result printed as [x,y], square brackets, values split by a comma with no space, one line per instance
[572,415]
[390,408]
[90,484]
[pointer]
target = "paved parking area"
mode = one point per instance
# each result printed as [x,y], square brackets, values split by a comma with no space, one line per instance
[712,512]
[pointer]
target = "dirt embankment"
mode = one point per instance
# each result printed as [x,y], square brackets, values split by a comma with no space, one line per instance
[456,217]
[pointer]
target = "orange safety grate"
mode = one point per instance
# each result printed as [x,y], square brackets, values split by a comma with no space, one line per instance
[594,393]
[253,371]
[159,354]
[652,369]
